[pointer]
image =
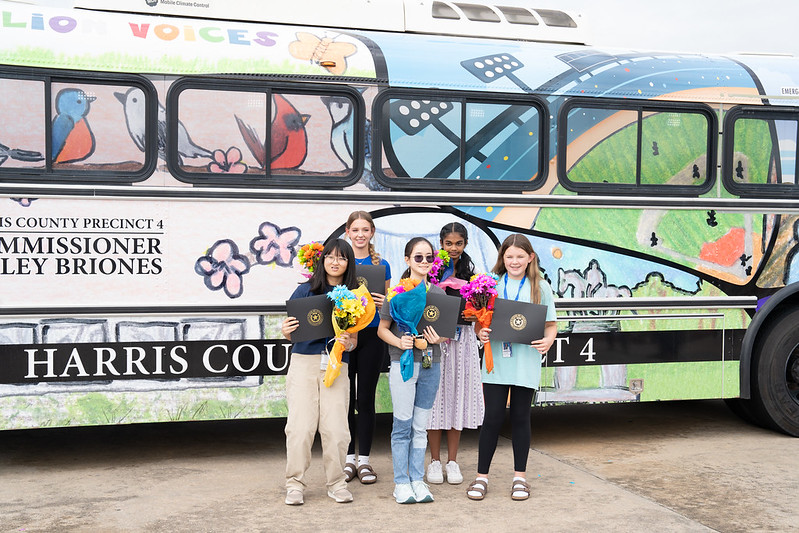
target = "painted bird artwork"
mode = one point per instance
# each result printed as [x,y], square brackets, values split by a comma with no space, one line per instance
[19,155]
[72,138]
[343,128]
[289,140]
[134,104]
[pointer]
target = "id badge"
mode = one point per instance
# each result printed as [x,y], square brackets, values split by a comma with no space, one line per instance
[323,363]
[457,334]
[507,351]
[427,358]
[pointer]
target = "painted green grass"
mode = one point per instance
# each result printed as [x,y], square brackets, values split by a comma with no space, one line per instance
[166,64]
[753,140]
[680,234]
[667,381]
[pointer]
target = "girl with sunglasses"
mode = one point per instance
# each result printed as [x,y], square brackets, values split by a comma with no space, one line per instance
[311,405]
[412,399]
[517,371]
[367,360]
[459,402]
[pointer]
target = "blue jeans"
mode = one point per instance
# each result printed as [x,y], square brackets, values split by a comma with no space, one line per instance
[412,401]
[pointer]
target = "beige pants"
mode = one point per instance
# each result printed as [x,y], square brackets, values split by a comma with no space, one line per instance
[312,407]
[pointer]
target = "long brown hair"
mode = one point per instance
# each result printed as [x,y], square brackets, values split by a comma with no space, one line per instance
[363,215]
[533,271]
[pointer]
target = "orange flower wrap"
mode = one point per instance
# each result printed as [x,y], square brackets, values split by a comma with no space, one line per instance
[333,369]
[483,316]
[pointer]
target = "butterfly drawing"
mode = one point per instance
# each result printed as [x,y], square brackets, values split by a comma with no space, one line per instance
[325,52]
[275,245]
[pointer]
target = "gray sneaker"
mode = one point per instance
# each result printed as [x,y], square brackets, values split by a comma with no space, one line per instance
[434,473]
[423,494]
[341,495]
[294,497]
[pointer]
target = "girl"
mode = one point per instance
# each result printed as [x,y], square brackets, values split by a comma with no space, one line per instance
[412,399]
[459,403]
[311,405]
[517,367]
[367,360]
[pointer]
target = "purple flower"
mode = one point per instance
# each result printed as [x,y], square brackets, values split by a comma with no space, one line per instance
[24,202]
[223,268]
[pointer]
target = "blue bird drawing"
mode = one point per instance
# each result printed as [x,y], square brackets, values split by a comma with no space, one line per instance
[72,138]
[134,104]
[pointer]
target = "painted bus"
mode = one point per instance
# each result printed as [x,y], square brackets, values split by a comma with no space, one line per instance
[147,246]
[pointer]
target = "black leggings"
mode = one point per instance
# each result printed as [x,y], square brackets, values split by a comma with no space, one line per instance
[496,397]
[366,362]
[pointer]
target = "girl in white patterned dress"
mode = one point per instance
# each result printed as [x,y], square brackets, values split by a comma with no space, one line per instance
[459,403]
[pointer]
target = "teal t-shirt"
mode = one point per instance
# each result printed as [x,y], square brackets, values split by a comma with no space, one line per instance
[523,367]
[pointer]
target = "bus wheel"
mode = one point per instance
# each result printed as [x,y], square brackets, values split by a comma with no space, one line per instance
[775,375]
[745,410]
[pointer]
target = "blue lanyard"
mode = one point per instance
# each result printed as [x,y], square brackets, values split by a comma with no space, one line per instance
[518,292]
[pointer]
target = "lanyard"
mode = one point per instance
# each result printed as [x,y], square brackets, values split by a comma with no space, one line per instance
[518,292]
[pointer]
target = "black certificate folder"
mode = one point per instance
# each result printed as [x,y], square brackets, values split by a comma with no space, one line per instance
[520,322]
[315,316]
[373,276]
[441,312]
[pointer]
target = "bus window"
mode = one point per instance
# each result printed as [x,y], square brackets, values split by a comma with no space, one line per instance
[424,138]
[97,127]
[437,143]
[761,159]
[674,149]
[22,130]
[602,146]
[259,135]
[623,147]
[502,142]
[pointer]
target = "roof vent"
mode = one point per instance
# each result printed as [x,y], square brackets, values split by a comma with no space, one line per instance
[443,11]
[478,13]
[558,19]
[518,15]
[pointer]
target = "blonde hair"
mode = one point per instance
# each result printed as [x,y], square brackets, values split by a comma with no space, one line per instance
[363,215]
[533,271]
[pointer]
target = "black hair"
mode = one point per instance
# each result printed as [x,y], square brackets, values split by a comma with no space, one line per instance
[409,248]
[318,280]
[464,268]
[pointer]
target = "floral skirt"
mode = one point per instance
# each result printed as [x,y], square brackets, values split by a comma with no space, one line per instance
[459,402]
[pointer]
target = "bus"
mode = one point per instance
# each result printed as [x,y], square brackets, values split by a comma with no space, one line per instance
[147,247]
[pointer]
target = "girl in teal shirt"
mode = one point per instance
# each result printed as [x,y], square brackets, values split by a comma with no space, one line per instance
[517,367]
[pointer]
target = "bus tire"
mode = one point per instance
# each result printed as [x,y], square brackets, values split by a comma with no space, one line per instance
[745,410]
[775,375]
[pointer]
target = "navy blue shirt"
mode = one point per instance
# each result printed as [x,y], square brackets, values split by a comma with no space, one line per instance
[316,345]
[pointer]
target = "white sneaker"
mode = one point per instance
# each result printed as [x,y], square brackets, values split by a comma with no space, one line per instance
[403,493]
[423,494]
[294,497]
[434,473]
[454,476]
[341,495]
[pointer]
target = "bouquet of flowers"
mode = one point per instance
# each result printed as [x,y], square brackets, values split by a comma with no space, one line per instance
[353,310]
[480,294]
[308,256]
[404,285]
[406,303]
[440,263]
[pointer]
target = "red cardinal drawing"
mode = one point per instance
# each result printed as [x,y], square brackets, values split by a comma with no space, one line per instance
[289,144]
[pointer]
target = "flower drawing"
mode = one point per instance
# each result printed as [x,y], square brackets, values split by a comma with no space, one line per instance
[223,268]
[24,202]
[275,245]
[227,162]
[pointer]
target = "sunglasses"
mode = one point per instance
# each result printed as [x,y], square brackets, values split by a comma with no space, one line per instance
[418,258]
